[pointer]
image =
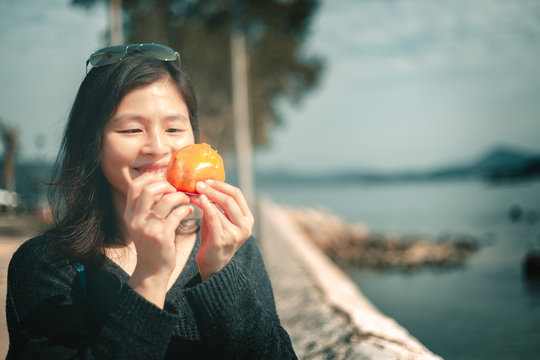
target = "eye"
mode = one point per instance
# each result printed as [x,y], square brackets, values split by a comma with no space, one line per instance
[130,131]
[174,130]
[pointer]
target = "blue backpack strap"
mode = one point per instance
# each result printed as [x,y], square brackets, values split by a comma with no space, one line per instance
[82,276]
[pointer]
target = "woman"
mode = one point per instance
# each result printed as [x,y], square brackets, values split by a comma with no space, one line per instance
[124,273]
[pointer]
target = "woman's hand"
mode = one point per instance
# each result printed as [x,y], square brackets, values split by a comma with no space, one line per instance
[227,223]
[152,216]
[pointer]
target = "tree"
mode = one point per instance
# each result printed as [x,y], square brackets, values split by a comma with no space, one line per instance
[200,29]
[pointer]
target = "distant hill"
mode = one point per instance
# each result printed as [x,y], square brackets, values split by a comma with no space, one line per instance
[500,164]
[505,164]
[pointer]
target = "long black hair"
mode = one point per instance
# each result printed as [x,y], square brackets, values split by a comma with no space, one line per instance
[80,197]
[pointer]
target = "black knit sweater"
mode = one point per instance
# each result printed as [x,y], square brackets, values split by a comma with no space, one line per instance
[231,315]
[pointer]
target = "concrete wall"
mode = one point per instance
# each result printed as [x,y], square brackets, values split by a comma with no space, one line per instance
[324,312]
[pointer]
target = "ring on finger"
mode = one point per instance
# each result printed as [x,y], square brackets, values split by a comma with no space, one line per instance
[156,215]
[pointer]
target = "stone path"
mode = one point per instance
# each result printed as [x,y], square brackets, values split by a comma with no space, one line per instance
[317,331]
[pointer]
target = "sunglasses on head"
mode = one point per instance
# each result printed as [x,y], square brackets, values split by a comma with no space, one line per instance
[112,54]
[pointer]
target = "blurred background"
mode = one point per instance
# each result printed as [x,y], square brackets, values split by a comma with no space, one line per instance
[414,117]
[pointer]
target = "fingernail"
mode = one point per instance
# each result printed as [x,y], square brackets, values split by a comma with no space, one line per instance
[201,185]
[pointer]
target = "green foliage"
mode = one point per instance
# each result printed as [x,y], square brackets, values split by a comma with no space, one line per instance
[200,30]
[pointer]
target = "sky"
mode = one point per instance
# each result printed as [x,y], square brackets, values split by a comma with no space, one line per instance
[407,84]
[45,45]
[416,84]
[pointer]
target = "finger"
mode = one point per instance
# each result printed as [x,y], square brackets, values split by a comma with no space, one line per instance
[198,203]
[167,202]
[195,200]
[232,191]
[211,217]
[135,188]
[151,194]
[232,216]
[176,216]
[229,190]
[228,203]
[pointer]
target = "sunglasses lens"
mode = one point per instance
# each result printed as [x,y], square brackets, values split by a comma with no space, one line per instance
[107,56]
[158,51]
[113,54]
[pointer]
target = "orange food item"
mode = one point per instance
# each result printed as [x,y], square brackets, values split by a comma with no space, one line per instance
[194,163]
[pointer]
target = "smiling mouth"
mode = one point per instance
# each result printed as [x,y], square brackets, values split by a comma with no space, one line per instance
[161,171]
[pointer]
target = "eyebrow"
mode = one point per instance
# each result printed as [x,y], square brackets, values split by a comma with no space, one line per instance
[128,116]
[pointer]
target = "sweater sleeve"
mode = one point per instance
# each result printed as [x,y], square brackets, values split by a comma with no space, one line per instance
[236,312]
[46,314]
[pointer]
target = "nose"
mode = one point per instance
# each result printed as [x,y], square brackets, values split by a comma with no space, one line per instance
[155,144]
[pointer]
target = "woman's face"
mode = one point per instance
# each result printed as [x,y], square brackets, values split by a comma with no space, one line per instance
[149,124]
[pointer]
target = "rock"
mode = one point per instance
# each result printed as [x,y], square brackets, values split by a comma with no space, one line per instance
[354,245]
[531,265]
[515,213]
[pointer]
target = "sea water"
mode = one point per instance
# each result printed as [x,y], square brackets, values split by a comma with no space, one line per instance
[484,309]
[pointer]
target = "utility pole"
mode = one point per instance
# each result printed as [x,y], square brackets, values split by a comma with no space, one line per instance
[241,115]
[115,23]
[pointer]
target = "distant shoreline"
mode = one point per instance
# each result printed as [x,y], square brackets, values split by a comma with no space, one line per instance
[501,165]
